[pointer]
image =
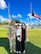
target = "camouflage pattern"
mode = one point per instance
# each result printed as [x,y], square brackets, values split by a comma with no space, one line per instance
[12,37]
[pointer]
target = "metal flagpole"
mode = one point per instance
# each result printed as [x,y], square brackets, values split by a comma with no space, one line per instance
[31,7]
[9,17]
[30,19]
[30,11]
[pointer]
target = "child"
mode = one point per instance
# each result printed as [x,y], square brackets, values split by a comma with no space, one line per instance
[18,39]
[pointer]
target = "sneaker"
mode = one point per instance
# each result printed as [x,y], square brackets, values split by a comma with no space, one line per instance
[24,51]
[16,51]
[19,51]
[10,51]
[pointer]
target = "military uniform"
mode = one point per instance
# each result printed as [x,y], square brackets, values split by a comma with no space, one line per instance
[12,36]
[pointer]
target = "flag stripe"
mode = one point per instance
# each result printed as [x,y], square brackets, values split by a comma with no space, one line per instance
[35,15]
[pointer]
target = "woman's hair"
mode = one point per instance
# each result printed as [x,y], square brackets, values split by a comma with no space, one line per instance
[24,25]
[12,22]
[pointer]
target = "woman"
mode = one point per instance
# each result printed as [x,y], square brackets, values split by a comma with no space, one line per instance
[23,38]
[18,39]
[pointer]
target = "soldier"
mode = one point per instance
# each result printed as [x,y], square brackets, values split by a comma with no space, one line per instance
[12,36]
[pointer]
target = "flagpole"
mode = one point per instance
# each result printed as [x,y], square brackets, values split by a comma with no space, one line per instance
[30,11]
[30,20]
[31,7]
[9,18]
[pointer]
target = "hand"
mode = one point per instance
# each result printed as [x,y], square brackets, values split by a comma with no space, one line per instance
[20,40]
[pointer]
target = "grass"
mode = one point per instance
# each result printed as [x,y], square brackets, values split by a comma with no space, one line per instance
[3,51]
[32,47]
[3,33]
[35,37]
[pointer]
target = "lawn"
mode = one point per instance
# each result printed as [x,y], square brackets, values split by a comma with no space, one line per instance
[32,47]
[3,51]
[3,33]
[35,37]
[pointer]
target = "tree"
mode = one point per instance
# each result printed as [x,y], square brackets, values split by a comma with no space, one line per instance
[5,22]
[1,23]
[17,21]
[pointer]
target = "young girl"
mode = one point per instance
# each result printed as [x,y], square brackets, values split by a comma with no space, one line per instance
[18,39]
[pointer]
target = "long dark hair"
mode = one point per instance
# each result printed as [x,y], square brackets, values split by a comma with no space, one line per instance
[24,25]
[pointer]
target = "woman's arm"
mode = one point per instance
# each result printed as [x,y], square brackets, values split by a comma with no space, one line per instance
[20,35]
[27,34]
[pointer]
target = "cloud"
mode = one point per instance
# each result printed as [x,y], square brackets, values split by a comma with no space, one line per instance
[36,21]
[3,4]
[27,18]
[32,22]
[17,16]
[3,19]
[14,16]
[29,15]
[40,21]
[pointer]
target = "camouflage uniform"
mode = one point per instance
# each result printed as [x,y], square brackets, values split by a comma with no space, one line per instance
[12,36]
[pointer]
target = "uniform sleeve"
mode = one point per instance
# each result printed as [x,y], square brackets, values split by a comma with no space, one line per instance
[9,28]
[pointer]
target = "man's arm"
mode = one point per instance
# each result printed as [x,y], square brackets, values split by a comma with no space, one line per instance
[9,32]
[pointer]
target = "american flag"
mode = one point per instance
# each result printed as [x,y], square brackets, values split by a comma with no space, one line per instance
[35,15]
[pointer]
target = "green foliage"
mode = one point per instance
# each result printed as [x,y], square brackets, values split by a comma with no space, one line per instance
[1,23]
[5,22]
[17,21]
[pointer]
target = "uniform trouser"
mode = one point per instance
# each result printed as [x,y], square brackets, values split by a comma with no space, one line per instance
[12,43]
[18,45]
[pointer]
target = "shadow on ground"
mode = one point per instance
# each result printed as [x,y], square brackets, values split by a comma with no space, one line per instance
[30,48]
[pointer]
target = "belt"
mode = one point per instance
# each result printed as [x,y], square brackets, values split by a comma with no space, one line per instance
[17,36]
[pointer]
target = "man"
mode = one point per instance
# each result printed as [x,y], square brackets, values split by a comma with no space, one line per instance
[12,36]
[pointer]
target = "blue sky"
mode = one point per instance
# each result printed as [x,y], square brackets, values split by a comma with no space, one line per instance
[20,10]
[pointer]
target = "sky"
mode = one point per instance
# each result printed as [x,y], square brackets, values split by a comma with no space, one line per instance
[20,10]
